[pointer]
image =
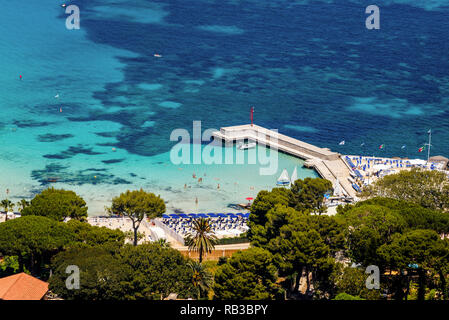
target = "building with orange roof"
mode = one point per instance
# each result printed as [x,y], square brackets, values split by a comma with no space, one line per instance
[22,286]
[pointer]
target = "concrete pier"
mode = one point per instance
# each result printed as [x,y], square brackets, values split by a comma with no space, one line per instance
[328,164]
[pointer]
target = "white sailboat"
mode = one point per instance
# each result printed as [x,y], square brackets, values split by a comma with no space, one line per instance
[294,176]
[283,179]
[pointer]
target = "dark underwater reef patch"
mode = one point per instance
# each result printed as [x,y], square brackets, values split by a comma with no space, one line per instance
[111,161]
[71,152]
[107,134]
[49,137]
[54,173]
[31,123]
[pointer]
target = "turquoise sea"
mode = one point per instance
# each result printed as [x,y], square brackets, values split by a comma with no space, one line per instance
[310,68]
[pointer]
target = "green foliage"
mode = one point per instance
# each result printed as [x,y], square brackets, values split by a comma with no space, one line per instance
[88,235]
[9,266]
[57,204]
[345,296]
[429,189]
[157,272]
[7,205]
[201,278]
[308,194]
[144,272]
[247,275]
[33,239]
[242,238]
[102,275]
[22,204]
[352,281]
[369,227]
[415,216]
[265,201]
[202,239]
[137,205]
[163,243]
[421,247]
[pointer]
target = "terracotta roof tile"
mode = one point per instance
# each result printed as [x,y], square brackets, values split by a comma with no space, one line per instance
[22,286]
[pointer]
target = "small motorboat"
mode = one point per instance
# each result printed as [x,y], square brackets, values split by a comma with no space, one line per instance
[157,55]
[283,180]
[248,145]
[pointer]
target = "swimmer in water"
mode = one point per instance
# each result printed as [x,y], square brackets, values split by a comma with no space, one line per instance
[218,187]
[200,180]
[194,175]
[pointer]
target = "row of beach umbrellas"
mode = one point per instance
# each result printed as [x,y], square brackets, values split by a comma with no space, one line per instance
[204,215]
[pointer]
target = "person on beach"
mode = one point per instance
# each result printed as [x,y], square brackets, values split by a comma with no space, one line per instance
[218,187]
[200,180]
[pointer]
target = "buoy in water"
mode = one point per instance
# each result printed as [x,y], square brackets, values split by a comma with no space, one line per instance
[60,109]
[20,77]
[113,149]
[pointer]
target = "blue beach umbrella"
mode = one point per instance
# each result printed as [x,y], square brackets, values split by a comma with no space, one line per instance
[174,216]
[165,216]
[221,215]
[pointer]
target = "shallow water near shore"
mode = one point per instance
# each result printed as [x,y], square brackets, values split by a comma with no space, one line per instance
[310,68]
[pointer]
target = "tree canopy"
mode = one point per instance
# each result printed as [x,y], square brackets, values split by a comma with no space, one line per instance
[247,275]
[308,194]
[57,204]
[144,272]
[137,205]
[33,239]
[429,189]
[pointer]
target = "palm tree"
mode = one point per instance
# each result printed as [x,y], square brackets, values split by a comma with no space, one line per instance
[7,205]
[202,239]
[22,204]
[201,278]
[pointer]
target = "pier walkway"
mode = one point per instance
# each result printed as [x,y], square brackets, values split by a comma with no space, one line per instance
[327,163]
